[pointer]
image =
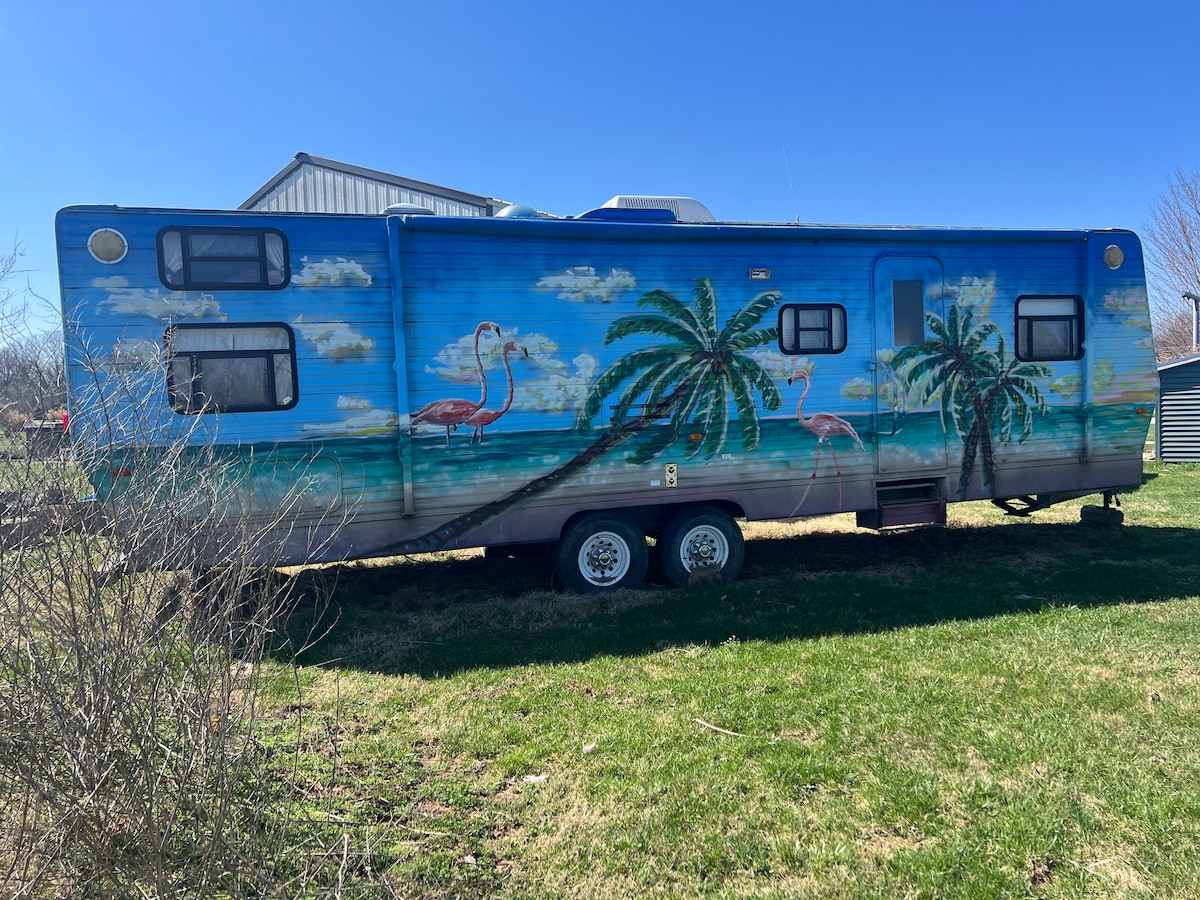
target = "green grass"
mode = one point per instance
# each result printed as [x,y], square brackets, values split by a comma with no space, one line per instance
[1001,708]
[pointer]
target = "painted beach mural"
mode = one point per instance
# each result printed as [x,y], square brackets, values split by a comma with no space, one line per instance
[415,383]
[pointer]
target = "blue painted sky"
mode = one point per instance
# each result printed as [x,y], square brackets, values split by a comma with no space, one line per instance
[1030,114]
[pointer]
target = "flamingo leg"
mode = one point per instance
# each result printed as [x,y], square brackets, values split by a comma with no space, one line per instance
[811,479]
[837,466]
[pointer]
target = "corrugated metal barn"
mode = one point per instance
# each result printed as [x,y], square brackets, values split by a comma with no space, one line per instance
[1177,438]
[313,184]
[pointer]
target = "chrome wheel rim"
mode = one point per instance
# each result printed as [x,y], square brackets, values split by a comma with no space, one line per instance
[703,547]
[604,558]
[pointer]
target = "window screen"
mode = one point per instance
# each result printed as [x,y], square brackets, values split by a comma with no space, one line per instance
[1049,328]
[231,368]
[812,328]
[216,259]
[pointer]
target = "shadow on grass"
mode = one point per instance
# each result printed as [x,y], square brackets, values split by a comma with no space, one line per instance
[432,618]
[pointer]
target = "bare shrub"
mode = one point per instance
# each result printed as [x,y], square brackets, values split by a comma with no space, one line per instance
[133,633]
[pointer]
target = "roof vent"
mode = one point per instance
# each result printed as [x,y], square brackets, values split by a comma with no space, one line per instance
[518,211]
[407,209]
[685,208]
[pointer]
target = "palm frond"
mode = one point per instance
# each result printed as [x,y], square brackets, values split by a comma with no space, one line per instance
[747,413]
[674,308]
[625,367]
[706,310]
[655,375]
[671,381]
[663,437]
[745,319]
[748,340]
[716,428]
[655,444]
[759,379]
[657,326]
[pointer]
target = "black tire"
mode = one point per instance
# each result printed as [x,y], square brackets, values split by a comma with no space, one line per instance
[702,544]
[600,553]
[1108,516]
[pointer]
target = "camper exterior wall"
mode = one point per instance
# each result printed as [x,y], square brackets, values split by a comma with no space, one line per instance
[627,366]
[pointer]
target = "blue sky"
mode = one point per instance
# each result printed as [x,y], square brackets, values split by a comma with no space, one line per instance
[1022,114]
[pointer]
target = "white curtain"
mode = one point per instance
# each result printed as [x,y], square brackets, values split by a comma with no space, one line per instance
[172,249]
[201,245]
[233,381]
[261,337]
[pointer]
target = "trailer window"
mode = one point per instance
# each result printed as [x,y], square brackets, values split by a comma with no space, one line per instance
[231,368]
[908,312]
[812,328]
[1049,328]
[214,259]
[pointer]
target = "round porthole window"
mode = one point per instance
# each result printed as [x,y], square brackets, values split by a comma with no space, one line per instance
[107,245]
[1113,256]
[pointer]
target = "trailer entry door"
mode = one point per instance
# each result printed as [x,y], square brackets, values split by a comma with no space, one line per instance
[909,438]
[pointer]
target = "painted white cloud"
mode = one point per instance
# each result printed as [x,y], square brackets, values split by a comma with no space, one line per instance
[779,365]
[1131,306]
[558,386]
[974,293]
[337,340]
[338,271]
[456,361]
[124,300]
[365,415]
[581,283]
[858,389]
[362,417]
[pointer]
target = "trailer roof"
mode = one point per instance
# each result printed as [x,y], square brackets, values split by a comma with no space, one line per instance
[626,228]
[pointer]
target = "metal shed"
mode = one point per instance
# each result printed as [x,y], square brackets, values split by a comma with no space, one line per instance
[314,184]
[1177,437]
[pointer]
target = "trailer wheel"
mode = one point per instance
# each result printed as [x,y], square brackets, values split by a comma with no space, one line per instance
[701,544]
[599,553]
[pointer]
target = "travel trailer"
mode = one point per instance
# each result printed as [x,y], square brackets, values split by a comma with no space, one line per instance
[375,385]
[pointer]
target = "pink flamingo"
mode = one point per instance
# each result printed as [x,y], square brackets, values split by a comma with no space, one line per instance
[452,413]
[482,417]
[823,426]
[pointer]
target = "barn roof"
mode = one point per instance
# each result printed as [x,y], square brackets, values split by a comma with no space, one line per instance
[484,204]
[1182,361]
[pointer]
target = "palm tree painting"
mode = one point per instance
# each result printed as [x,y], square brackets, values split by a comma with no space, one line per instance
[686,379]
[689,377]
[981,390]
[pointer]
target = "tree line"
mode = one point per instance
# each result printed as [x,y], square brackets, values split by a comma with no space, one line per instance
[32,381]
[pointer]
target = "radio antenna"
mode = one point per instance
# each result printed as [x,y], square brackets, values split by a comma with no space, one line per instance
[788,169]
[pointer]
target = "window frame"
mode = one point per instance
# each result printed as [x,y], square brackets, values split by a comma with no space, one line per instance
[262,260]
[189,406]
[831,308]
[1022,344]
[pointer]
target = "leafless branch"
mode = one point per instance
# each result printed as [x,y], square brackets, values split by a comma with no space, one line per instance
[1173,253]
